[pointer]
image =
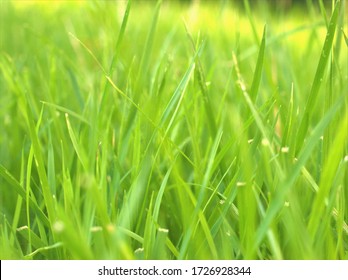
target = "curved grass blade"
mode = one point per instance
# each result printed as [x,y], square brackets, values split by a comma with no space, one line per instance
[67,111]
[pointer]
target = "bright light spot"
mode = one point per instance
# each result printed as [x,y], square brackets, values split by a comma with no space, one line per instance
[241,184]
[139,250]
[164,230]
[58,226]
[110,228]
[346,158]
[22,228]
[284,150]
[250,141]
[265,142]
[222,201]
[96,229]
[286,203]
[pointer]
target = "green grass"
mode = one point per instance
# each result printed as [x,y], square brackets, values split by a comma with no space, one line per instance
[150,130]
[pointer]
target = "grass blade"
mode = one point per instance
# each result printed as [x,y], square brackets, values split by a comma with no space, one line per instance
[48,199]
[336,155]
[258,70]
[78,149]
[286,184]
[318,78]
[5,174]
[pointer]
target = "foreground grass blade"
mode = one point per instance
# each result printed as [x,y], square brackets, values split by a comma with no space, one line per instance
[336,155]
[67,111]
[287,183]
[258,70]
[5,174]
[203,86]
[78,149]
[40,166]
[197,212]
[345,38]
[121,34]
[318,78]
[72,237]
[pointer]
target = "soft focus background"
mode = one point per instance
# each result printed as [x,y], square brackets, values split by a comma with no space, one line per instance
[173,129]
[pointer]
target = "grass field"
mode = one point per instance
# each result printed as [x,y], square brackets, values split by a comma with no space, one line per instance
[149,130]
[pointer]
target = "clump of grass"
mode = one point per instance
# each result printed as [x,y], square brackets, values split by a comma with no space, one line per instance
[156,131]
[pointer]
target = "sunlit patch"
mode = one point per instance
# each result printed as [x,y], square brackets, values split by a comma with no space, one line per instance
[110,228]
[22,228]
[346,158]
[284,150]
[139,250]
[96,229]
[58,226]
[265,142]
[164,230]
[242,85]
[52,7]
[286,204]
[241,184]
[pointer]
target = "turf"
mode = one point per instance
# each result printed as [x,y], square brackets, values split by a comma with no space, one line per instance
[173,130]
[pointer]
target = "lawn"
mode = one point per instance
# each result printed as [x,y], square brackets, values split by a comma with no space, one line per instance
[173,130]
